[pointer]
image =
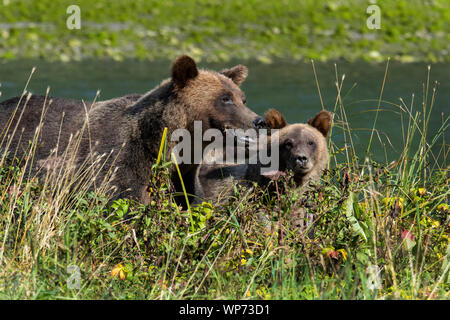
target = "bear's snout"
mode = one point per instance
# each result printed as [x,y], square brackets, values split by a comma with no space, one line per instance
[301,161]
[259,123]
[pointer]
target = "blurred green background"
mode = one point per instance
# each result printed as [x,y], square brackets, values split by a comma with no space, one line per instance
[215,30]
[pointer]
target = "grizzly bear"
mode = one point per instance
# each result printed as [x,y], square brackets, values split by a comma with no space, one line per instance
[302,149]
[125,132]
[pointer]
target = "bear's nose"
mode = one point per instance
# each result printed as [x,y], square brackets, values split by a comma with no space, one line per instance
[259,123]
[302,161]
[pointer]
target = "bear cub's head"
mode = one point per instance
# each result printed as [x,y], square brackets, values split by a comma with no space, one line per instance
[214,98]
[302,147]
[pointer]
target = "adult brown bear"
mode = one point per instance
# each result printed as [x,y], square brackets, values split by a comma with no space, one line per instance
[124,134]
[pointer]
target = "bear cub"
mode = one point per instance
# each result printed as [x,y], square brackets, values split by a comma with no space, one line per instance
[302,149]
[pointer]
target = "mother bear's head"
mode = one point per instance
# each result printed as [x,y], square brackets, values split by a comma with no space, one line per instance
[214,98]
[192,96]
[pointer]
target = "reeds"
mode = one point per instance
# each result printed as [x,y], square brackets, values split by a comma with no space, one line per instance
[381,229]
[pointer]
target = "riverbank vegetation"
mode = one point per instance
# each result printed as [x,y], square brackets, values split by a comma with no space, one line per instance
[215,30]
[367,231]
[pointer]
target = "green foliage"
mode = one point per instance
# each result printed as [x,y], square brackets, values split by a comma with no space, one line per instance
[131,251]
[367,230]
[222,30]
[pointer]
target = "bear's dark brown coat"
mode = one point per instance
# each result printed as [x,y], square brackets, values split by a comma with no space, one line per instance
[128,130]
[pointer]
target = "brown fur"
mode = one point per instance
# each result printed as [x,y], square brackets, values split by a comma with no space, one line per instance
[275,120]
[302,149]
[131,127]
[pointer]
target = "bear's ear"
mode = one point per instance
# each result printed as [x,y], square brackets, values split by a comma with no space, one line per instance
[275,120]
[183,69]
[237,74]
[322,122]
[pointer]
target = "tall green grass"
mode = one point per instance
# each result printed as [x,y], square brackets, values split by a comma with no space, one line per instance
[377,231]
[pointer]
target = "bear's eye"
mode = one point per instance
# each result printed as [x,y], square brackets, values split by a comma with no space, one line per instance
[288,144]
[311,143]
[227,100]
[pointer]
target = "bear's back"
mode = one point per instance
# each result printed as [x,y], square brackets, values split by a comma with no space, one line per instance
[58,116]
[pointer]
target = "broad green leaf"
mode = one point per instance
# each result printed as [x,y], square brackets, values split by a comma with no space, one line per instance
[349,214]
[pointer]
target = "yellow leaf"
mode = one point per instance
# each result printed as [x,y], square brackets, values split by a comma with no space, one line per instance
[118,271]
[343,253]
[422,191]
[115,271]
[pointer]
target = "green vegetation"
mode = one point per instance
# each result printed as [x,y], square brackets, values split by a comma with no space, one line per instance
[367,218]
[221,30]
